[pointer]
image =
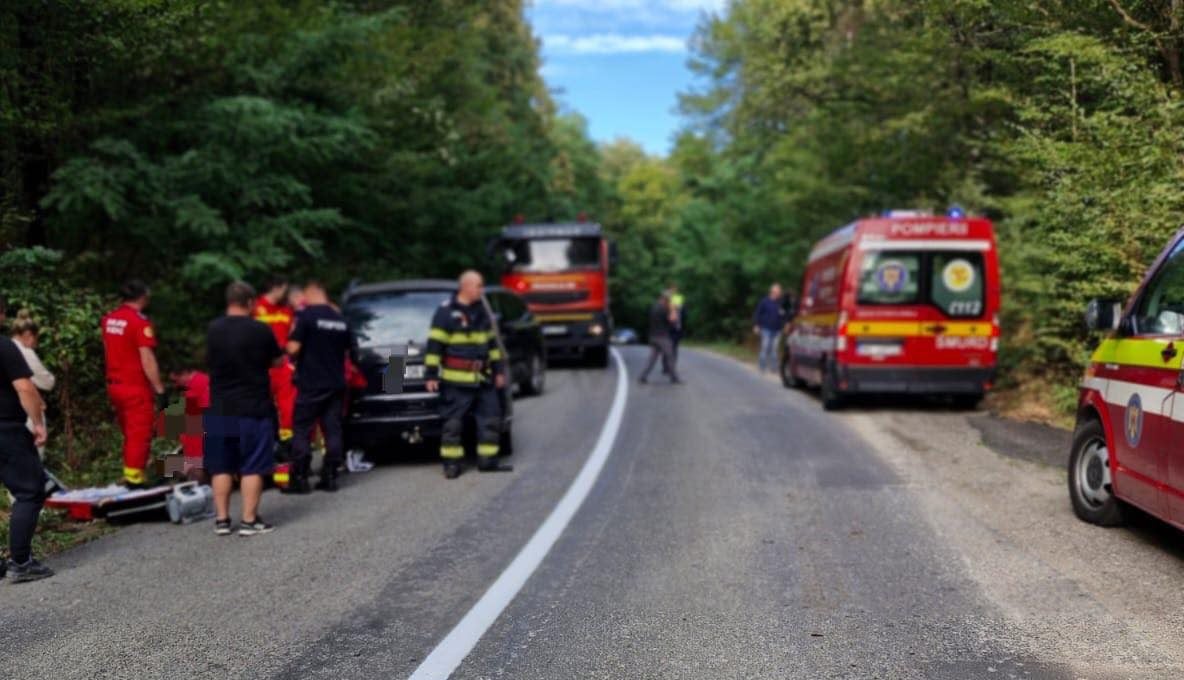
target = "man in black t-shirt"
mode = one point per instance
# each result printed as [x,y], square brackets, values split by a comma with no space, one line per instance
[240,422]
[318,344]
[20,466]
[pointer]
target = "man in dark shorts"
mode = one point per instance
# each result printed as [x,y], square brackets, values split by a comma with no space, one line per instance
[240,423]
[318,343]
[20,466]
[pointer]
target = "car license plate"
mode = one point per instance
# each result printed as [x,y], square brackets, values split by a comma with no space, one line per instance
[554,330]
[414,372]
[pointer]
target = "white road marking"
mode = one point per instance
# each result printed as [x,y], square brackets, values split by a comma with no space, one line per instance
[455,646]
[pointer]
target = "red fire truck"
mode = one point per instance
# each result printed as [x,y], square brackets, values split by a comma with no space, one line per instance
[903,303]
[561,270]
[1130,418]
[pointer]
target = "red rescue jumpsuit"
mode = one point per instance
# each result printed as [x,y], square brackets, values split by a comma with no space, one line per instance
[197,400]
[125,331]
[279,318]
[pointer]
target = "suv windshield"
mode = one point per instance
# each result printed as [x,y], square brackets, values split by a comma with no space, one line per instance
[951,281]
[393,318]
[553,254]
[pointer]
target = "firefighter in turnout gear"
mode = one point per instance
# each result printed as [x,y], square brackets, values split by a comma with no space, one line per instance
[464,363]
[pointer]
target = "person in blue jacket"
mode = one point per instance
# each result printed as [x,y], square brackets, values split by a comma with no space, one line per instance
[767,322]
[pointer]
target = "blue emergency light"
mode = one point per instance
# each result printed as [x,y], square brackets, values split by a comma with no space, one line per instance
[956,212]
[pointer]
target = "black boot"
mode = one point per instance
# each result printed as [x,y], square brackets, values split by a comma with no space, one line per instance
[492,464]
[298,479]
[327,482]
[451,470]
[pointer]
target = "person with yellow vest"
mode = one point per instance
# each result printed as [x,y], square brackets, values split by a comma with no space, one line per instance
[464,363]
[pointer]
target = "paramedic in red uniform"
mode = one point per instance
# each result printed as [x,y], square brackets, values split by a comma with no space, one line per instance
[133,378]
[272,309]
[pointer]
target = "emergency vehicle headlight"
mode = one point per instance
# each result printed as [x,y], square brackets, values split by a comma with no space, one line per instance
[595,329]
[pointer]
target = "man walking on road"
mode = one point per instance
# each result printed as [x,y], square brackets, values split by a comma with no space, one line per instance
[20,466]
[240,423]
[319,343]
[768,321]
[133,379]
[663,320]
[465,365]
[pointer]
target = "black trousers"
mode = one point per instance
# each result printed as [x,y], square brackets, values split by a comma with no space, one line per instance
[21,472]
[458,402]
[661,348]
[311,406]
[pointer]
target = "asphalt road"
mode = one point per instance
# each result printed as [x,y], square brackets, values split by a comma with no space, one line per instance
[735,531]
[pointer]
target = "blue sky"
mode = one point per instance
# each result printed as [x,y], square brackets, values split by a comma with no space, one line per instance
[620,63]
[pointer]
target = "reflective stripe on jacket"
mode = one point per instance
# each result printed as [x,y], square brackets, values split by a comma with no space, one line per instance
[465,333]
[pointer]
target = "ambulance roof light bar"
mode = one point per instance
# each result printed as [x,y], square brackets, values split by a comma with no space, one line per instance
[906,213]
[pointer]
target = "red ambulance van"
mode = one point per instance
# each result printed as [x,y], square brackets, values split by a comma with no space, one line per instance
[903,303]
[1130,420]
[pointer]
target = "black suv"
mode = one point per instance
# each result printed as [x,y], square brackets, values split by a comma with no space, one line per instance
[383,315]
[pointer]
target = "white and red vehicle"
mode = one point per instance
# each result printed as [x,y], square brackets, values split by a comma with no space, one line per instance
[1130,417]
[904,303]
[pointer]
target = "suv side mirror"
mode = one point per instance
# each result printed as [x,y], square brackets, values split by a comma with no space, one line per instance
[1103,315]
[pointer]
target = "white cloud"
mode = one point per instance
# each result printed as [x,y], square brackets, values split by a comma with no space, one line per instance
[613,43]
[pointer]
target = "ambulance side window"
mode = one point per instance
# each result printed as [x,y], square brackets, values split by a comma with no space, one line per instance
[1160,310]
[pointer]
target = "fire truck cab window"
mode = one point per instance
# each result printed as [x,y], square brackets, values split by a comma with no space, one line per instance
[555,254]
[1161,308]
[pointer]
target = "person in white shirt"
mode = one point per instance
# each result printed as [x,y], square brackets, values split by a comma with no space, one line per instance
[24,333]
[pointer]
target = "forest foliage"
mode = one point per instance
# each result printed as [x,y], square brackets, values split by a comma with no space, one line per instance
[190,142]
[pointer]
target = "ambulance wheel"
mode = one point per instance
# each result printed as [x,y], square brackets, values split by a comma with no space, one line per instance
[832,399]
[967,402]
[536,380]
[1090,485]
[788,379]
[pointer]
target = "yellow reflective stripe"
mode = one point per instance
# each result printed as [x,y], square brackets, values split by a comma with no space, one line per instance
[451,451]
[469,338]
[438,334]
[824,318]
[976,329]
[909,329]
[1135,352]
[133,475]
[883,328]
[487,449]
[285,434]
[273,318]
[280,478]
[431,360]
[495,354]
[450,375]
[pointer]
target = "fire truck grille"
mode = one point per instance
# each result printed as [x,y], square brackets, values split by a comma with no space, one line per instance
[556,297]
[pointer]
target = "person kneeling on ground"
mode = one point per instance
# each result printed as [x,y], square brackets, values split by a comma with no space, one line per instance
[240,423]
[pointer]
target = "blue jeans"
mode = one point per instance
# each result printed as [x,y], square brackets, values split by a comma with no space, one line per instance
[767,360]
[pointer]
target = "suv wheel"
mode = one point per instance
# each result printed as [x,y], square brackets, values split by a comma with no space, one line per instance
[536,378]
[1090,484]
